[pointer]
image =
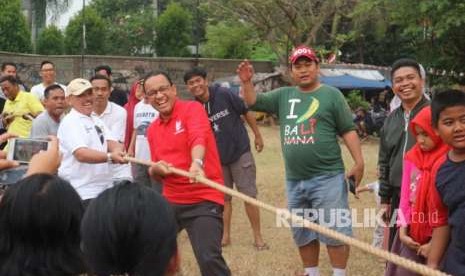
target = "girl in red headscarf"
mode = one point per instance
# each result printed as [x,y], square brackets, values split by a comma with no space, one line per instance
[418,211]
[134,97]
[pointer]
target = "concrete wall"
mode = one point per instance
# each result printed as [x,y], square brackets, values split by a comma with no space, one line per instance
[125,69]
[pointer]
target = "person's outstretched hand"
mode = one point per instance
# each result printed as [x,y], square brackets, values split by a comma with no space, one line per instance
[46,161]
[245,71]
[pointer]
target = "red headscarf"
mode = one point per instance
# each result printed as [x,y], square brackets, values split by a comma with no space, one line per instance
[420,230]
[131,104]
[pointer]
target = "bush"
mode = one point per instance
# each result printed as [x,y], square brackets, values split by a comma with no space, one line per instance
[355,100]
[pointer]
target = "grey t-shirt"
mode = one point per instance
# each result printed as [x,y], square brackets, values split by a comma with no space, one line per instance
[43,125]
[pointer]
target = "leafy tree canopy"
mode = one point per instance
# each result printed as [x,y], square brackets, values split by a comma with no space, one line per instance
[131,34]
[14,34]
[110,8]
[430,31]
[95,34]
[228,40]
[50,41]
[286,23]
[173,31]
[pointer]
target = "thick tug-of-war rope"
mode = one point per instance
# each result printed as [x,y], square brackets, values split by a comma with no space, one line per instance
[406,263]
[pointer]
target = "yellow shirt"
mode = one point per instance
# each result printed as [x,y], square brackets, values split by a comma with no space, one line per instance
[24,103]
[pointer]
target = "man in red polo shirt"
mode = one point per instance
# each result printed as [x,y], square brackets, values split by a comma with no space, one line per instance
[182,137]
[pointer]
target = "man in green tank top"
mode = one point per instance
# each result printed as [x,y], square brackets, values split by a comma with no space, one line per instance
[311,116]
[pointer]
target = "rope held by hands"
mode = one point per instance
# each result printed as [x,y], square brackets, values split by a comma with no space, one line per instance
[396,259]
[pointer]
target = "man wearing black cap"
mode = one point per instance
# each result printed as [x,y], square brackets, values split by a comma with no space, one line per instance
[312,116]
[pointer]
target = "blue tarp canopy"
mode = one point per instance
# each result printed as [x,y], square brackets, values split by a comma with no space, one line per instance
[348,82]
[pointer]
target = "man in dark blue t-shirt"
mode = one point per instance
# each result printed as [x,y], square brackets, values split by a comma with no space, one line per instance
[225,110]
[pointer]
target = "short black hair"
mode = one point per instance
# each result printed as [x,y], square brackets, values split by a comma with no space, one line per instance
[40,219]
[405,62]
[107,69]
[46,62]
[101,77]
[50,88]
[194,72]
[8,63]
[445,99]
[10,79]
[129,229]
[156,73]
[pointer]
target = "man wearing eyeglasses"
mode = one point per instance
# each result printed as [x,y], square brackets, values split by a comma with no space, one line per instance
[48,75]
[88,147]
[182,137]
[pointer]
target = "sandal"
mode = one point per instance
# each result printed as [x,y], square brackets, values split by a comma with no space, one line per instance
[262,247]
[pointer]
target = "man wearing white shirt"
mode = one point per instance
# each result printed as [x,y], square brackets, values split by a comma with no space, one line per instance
[87,145]
[114,117]
[48,75]
[117,95]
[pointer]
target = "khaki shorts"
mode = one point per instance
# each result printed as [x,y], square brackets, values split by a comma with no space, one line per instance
[242,174]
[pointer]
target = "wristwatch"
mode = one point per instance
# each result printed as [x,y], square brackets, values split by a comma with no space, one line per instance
[109,159]
[198,161]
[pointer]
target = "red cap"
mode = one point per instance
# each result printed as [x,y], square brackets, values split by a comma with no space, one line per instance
[302,51]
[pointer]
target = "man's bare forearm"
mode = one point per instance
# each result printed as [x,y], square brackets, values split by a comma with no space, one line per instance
[252,122]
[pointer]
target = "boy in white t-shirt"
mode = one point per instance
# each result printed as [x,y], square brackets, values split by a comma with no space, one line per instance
[144,115]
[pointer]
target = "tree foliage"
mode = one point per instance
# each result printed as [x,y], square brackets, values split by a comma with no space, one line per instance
[110,8]
[228,40]
[372,32]
[95,34]
[14,34]
[173,31]
[287,23]
[130,27]
[132,34]
[437,30]
[235,40]
[262,51]
[43,8]
[369,31]
[430,31]
[50,41]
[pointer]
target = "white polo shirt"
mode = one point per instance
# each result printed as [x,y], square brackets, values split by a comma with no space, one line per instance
[79,131]
[114,117]
[39,89]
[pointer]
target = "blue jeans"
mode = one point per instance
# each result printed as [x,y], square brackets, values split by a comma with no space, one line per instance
[322,199]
